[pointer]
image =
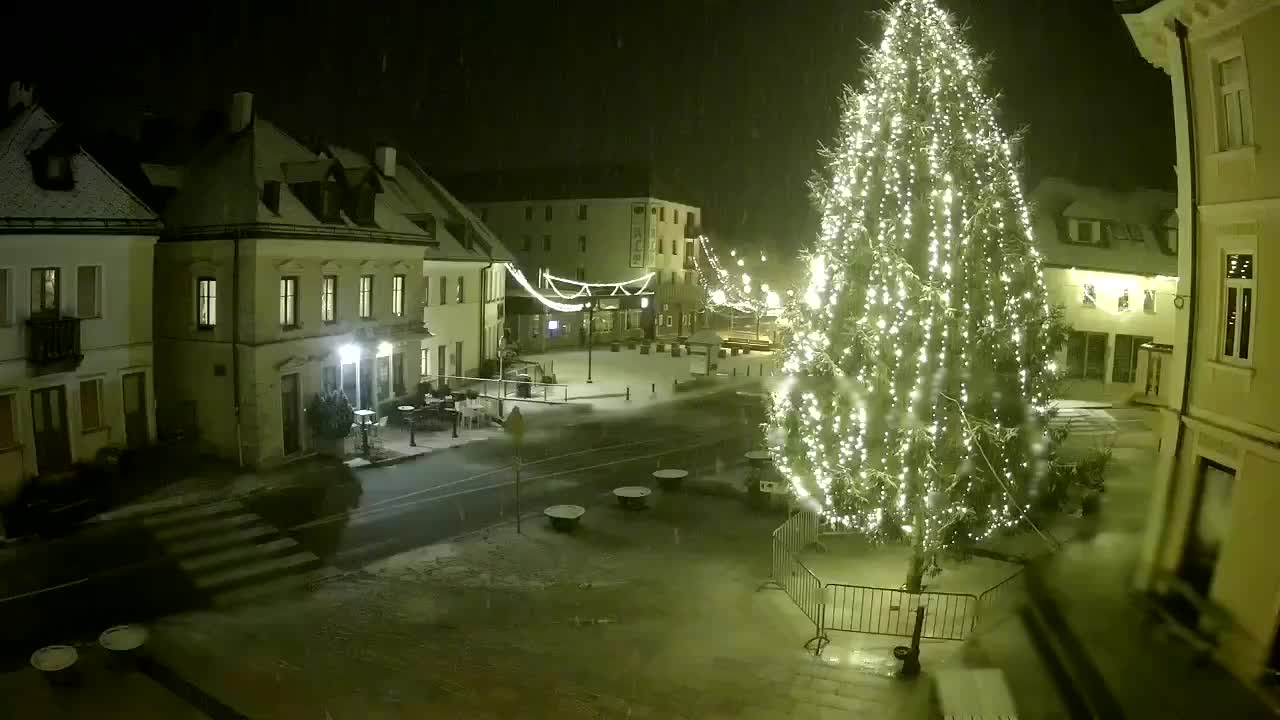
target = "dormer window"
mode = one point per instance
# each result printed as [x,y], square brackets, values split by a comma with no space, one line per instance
[1086,232]
[362,211]
[330,202]
[52,168]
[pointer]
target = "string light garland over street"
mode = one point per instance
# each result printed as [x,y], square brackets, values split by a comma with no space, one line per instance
[733,291]
[546,301]
[626,288]
[919,372]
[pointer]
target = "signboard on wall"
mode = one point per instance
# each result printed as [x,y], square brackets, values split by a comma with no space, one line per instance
[639,216]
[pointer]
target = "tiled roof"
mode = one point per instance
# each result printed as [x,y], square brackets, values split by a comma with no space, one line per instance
[96,200]
[1055,201]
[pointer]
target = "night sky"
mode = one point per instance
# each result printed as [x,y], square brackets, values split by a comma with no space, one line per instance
[727,99]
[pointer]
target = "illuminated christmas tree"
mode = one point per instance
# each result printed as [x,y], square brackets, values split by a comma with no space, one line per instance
[920,367]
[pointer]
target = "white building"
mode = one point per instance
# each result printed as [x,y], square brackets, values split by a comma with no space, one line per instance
[1110,263]
[281,273]
[75,302]
[463,274]
[1211,534]
[593,224]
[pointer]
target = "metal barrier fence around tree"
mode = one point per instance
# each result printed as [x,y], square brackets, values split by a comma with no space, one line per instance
[879,611]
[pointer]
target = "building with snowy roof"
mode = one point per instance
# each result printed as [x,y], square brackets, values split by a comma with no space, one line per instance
[286,270]
[75,301]
[1110,262]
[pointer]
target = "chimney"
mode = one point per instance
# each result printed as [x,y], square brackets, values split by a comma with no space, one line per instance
[20,94]
[384,157]
[241,111]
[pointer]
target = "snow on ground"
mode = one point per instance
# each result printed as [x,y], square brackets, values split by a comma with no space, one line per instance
[639,614]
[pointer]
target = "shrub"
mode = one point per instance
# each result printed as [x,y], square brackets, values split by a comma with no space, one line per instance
[330,415]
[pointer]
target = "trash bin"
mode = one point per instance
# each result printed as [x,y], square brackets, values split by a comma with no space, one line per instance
[524,385]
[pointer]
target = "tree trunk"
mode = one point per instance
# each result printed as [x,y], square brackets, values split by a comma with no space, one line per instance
[915,569]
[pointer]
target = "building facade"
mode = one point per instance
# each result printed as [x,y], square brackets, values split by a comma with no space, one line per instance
[1212,527]
[1110,263]
[595,225]
[75,303]
[282,273]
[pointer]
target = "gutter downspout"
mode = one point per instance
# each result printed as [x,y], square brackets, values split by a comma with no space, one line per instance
[235,339]
[1193,236]
[484,304]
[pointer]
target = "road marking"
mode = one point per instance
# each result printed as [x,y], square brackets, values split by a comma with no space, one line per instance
[44,590]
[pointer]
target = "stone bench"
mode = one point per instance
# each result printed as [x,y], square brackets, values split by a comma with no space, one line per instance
[565,518]
[632,497]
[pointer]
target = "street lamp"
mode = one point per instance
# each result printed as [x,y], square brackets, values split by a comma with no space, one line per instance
[591,328]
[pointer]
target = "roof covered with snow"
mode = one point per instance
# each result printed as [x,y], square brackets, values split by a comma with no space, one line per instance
[96,200]
[1138,220]
[415,194]
[222,188]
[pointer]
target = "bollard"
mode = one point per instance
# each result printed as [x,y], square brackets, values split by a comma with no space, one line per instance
[735,372]
[628,393]
[748,371]
[653,388]
[675,385]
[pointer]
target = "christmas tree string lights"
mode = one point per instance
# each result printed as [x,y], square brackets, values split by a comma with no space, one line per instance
[919,362]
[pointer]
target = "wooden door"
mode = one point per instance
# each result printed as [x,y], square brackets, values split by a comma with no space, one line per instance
[136,430]
[291,413]
[49,426]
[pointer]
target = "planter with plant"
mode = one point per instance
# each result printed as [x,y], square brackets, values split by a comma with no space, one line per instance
[330,416]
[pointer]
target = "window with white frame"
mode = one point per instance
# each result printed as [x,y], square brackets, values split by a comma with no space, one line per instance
[397,295]
[366,296]
[1086,232]
[8,426]
[1235,111]
[329,298]
[1089,295]
[289,301]
[206,302]
[1149,301]
[1238,299]
[91,405]
[6,297]
[89,291]
[424,359]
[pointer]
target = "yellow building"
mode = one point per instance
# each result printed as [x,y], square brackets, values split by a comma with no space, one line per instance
[1110,261]
[1212,536]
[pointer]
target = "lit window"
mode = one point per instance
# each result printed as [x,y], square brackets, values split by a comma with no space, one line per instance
[1148,301]
[289,302]
[366,296]
[1089,298]
[1122,303]
[45,290]
[206,302]
[1235,112]
[460,296]
[329,298]
[397,295]
[1239,296]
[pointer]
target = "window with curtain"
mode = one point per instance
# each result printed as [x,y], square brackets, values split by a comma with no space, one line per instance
[397,295]
[329,298]
[206,302]
[366,296]
[1238,300]
[289,302]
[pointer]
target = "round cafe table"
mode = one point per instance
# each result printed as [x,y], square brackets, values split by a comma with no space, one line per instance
[670,478]
[632,497]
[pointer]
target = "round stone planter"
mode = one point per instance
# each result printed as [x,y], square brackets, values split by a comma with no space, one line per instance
[615,347]
[676,351]
[644,349]
[57,663]
[123,644]
[565,518]
[662,347]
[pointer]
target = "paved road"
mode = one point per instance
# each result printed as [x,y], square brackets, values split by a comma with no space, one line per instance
[238,550]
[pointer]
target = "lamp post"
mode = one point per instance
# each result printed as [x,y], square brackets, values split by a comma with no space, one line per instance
[591,327]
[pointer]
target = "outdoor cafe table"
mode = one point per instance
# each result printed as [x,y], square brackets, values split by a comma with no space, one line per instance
[364,418]
[670,478]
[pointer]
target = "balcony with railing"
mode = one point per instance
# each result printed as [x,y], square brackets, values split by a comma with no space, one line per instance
[53,344]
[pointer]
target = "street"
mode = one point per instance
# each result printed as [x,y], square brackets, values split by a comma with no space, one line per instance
[239,550]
